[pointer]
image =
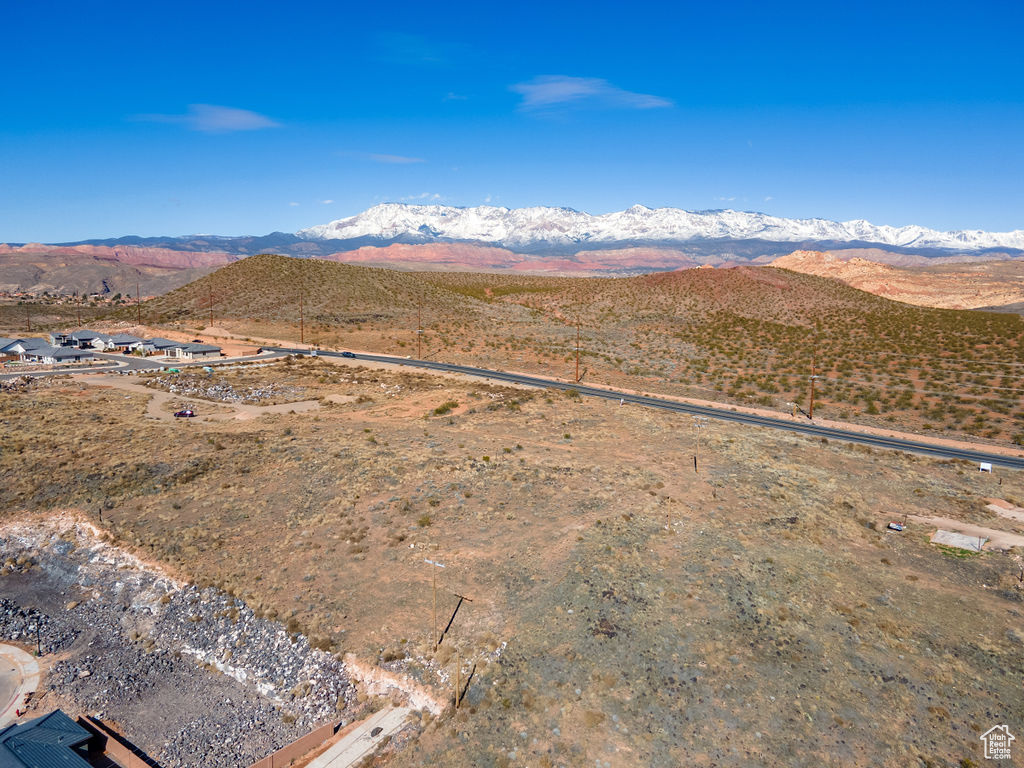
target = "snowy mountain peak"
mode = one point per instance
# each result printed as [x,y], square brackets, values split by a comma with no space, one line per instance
[542,226]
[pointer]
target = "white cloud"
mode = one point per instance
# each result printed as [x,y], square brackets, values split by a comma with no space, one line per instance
[487,199]
[452,96]
[293,204]
[725,199]
[326,202]
[769,198]
[394,159]
[423,196]
[547,91]
[210,118]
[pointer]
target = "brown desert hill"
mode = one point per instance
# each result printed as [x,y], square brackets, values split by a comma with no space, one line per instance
[744,335]
[966,285]
[269,288]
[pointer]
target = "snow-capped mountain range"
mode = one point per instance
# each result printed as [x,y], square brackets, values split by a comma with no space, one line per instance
[560,227]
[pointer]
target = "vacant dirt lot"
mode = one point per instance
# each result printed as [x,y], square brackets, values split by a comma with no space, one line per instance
[625,609]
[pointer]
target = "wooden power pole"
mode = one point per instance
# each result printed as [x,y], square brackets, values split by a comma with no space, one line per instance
[434,638]
[699,422]
[458,677]
[302,323]
[28,317]
[814,378]
[419,333]
[138,304]
[577,352]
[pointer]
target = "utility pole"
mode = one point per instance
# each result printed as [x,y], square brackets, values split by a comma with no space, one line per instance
[209,289]
[433,638]
[28,317]
[138,304]
[577,352]
[419,333]
[78,310]
[814,378]
[699,422]
[458,678]
[302,323]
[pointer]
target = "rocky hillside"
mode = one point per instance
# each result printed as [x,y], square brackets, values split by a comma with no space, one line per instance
[948,286]
[101,269]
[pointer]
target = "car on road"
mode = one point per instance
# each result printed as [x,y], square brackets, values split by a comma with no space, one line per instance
[186,413]
[347,354]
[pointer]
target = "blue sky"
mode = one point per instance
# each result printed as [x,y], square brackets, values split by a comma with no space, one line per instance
[244,118]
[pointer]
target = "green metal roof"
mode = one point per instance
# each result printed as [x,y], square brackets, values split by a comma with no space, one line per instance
[45,742]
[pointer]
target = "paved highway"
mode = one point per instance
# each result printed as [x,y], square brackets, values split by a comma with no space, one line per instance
[722,413]
[126,363]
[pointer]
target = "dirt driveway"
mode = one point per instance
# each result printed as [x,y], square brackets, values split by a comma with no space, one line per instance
[156,409]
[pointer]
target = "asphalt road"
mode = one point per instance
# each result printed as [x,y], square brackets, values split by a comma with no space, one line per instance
[721,414]
[126,363]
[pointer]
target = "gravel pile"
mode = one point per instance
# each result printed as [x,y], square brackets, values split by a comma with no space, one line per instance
[208,388]
[26,625]
[19,384]
[191,675]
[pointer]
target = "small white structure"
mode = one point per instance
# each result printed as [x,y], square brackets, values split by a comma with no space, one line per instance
[984,467]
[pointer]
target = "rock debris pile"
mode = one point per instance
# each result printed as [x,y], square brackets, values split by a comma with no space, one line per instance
[191,675]
[27,626]
[18,384]
[209,388]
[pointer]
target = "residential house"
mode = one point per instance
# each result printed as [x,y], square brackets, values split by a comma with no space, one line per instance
[40,351]
[124,342]
[4,343]
[58,339]
[71,355]
[86,339]
[32,350]
[159,346]
[192,351]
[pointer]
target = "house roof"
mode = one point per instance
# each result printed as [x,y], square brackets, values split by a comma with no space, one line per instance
[30,345]
[159,343]
[85,335]
[45,742]
[64,353]
[200,348]
[125,338]
[5,342]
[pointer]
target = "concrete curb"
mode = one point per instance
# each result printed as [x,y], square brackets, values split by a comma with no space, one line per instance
[30,675]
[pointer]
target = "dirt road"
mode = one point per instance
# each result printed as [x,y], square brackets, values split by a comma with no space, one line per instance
[158,399]
[996,539]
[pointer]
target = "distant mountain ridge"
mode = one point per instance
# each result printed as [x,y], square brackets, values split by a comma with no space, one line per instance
[538,240]
[560,227]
